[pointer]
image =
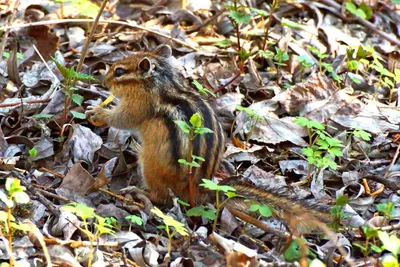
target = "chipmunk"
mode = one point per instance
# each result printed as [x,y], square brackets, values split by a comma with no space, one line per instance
[152,97]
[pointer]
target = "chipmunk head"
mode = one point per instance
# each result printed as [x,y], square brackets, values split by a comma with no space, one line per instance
[143,68]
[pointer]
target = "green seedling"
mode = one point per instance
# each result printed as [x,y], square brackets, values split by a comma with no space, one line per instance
[193,129]
[227,190]
[15,195]
[279,59]
[202,90]
[133,219]
[337,211]
[86,213]
[322,148]
[170,224]
[70,77]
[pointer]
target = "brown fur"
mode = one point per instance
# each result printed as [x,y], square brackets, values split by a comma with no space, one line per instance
[299,216]
[152,96]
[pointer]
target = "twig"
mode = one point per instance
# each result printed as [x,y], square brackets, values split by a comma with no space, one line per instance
[395,157]
[27,102]
[228,83]
[45,63]
[208,21]
[89,38]
[365,23]
[51,22]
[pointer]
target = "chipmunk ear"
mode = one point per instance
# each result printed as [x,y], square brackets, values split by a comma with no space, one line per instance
[145,64]
[163,51]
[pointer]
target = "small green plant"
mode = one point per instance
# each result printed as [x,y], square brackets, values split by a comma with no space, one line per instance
[86,213]
[113,222]
[322,148]
[337,211]
[297,249]
[206,212]
[369,234]
[390,243]
[323,66]
[363,11]
[16,195]
[387,209]
[70,78]
[133,219]
[279,59]
[224,43]
[361,134]
[263,209]
[306,62]
[193,130]
[169,224]
[202,90]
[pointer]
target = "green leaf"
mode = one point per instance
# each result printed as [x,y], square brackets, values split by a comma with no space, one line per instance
[367,11]
[259,12]
[352,65]
[134,219]
[354,78]
[65,72]
[215,187]
[203,130]
[7,55]
[240,17]
[81,210]
[198,85]
[231,194]
[302,121]
[196,120]
[254,207]
[43,116]
[291,24]
[77,98]
[33,152]
[192,164]
[170,221]
[198,158]
[352,8]
[335,151]
[390,243]
[183,203]
[21,197]
[183,126]
[362,134]
[79,76]
[224,43]
[266,54]
[265,211]
[202,211]
[78,115]
[342,200]
[243,54]
[306,61]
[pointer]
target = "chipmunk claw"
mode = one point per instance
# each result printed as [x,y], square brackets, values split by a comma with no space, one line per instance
[94,115]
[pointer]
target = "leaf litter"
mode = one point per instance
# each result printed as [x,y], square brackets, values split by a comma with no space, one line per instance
[320,61]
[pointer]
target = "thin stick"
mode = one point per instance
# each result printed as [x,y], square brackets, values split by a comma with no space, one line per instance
[45,63]
[51,22]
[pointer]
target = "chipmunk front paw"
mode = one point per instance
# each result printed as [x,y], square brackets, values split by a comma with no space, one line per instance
[96,115]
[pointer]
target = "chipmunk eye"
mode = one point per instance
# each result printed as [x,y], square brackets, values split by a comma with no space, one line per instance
[119,72]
